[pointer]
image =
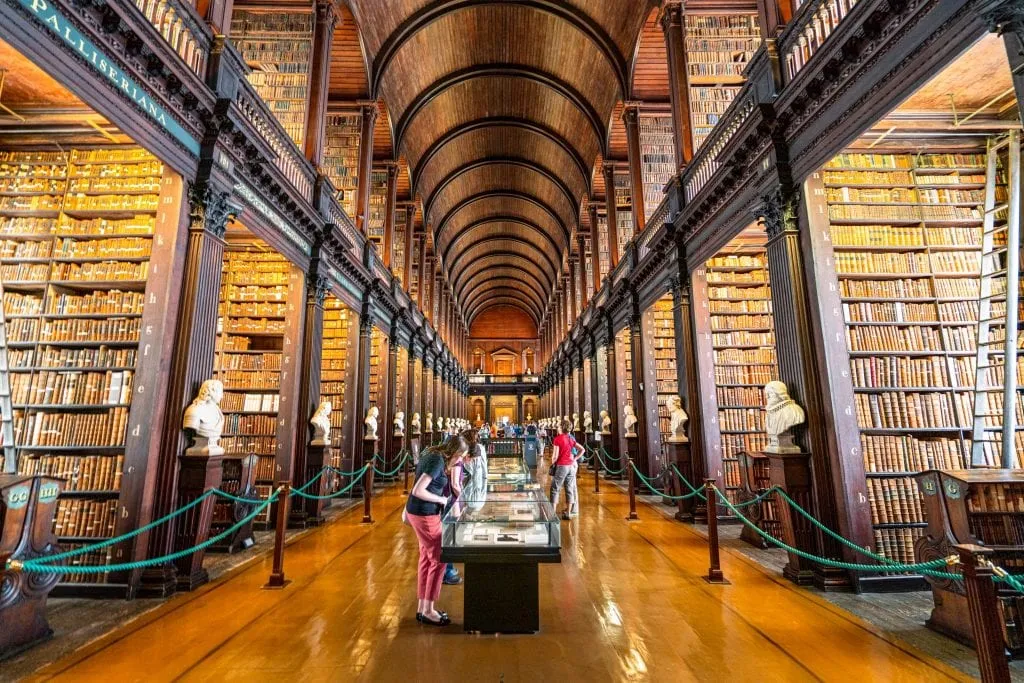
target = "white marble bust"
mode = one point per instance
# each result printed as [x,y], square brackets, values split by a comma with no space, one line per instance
[588,421]
[415,424]
[430,422]
[205,419]
[399,423]
[783,413]
[575,422]
[606,422]
[321,422]
[629,421]
[678,419]
[370,424]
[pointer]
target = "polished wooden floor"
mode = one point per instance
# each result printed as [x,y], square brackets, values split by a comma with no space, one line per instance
[627,603]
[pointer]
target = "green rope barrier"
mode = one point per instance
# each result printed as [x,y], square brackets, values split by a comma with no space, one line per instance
[131,534]
[342,473]
[927,568]
[340,492]
[690,486]
[394,471]
[1003,576]
[604,463]
[238,499]
[647,482]
[42,566]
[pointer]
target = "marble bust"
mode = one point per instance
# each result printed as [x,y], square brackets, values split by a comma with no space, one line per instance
[370,424]
[588,421]
[205,420]
[575,422]
[415,424]
[783,413]
[430,422]
[606,422]
[321,422]
[678,419]
[629,421]
[399,423]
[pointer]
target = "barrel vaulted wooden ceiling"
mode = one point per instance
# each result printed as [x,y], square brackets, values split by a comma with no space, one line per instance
[501,109]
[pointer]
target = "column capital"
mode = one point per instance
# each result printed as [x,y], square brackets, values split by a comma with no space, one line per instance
[369,112]
[209,209]
[1005,17]
[779,211]
[671,15]
[631,113]
[327,11]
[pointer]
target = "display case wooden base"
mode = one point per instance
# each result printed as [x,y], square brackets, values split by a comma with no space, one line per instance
[792,473]
[679,453]
[27,506]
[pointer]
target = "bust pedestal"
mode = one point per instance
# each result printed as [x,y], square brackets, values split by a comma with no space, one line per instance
[594,442]
[679,454]
[196,474]
[414,448]
[396,444]
[791,472]
[428,438]
[632,453]
[311,512]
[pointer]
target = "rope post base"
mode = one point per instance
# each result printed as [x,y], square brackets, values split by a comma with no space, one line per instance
[986,619]
[277,579]
[632,490]
[715,574]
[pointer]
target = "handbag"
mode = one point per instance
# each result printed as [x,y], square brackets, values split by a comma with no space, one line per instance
[551,470]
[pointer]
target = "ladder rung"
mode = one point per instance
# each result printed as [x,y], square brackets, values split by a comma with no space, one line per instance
[1001,207]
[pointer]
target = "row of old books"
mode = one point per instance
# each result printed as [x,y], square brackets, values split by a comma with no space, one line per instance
[895,500]
[908,410]
[63,387]
[80,518]
[890,453]
[72,358]
[103,429]
[79,472]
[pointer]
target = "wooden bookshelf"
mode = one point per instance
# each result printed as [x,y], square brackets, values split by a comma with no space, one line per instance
[76,236]
[664,358]
[252,319]
[718,47]
[336,375]
[341,156]
[906,233]
[278,48]
[623,210]
[398,254]
[378,373]
[378,208]
[657,158]
[743,339]
[624,382]
[413,286]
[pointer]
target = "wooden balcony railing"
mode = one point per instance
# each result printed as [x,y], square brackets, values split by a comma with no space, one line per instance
[654,224]
[183,30]
[287,157]
[815,22]
[706,163]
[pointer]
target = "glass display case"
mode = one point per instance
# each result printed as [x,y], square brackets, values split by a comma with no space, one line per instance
[506,469]
[501,520]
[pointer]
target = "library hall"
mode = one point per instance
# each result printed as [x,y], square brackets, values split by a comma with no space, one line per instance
[511,340]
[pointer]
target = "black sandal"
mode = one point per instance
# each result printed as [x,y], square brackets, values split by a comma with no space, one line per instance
[443,622]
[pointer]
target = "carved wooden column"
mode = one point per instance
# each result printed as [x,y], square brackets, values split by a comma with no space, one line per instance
[648,462]
[595,247]
[686,372]
[324,21]
[813,362]
[631,118]
[217,13]
[361,385]
[772,16]
[571,288]
[613,405]
[707,462]
[368,120]
[292,390]
[191,365]
[672,25]
[309,396]
[390,406]
[612,211]
[581,271]
[581,386]
[389,215]
[414,398]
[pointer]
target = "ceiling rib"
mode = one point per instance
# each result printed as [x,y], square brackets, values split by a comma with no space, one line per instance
[454,78]
[465,278]
[509,194]
[560,8]
[502,238]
